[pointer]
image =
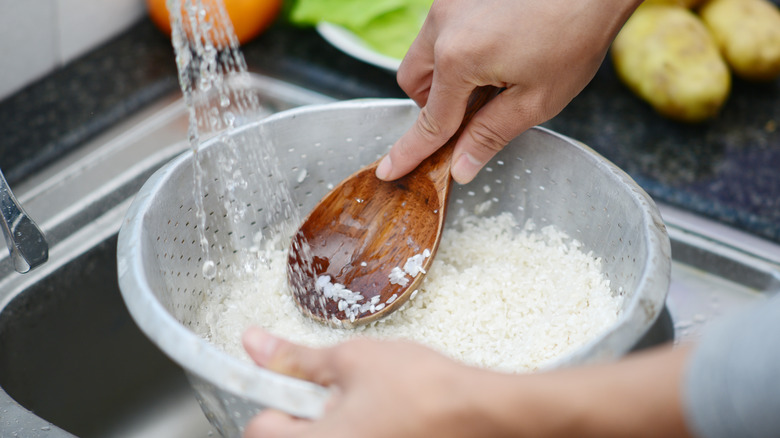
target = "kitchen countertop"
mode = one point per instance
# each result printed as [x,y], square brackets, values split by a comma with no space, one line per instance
[727,169]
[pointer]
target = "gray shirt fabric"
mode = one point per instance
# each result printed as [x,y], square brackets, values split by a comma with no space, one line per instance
[732,382]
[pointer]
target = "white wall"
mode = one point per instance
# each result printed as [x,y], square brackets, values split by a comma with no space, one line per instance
[37,36]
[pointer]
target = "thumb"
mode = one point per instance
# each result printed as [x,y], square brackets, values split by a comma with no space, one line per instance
[436,123]
[284,357]
[495,125]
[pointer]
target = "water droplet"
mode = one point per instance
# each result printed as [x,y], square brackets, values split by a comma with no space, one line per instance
[229,118]
[224,101]
[209,269]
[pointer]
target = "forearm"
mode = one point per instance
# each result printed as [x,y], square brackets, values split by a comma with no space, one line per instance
[638,396]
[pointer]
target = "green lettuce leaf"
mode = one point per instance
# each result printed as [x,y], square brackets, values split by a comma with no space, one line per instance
[387,26]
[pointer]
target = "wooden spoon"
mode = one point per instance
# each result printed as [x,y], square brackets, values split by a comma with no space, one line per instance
[346,263]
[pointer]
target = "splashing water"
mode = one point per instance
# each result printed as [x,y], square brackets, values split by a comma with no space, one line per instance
[211,68]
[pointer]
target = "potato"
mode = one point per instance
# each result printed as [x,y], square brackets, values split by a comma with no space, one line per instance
[748,34]
[668,58]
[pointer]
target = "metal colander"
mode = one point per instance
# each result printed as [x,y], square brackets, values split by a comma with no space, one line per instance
[541,175]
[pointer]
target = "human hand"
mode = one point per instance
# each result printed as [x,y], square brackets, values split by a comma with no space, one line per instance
[543,52]
[380,389]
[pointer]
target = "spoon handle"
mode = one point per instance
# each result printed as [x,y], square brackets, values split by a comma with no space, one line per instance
[439,163]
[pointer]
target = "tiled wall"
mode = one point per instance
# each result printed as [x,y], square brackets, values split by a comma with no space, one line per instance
[37,36]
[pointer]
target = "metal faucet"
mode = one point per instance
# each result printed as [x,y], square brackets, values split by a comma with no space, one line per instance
[25,240]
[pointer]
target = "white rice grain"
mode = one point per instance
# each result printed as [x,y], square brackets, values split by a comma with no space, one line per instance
[498,296]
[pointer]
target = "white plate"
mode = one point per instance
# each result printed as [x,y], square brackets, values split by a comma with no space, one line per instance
[349,43]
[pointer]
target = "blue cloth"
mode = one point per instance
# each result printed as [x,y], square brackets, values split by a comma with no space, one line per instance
[732,382]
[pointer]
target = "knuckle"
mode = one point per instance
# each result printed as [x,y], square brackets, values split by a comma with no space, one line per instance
[427,126]
[488,138]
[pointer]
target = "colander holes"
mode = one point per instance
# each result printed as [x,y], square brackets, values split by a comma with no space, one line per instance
[489,169]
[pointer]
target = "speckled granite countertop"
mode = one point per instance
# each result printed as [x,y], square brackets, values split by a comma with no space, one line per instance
[727,169]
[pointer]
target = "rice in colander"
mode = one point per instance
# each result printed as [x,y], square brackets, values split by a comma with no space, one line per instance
[498,295]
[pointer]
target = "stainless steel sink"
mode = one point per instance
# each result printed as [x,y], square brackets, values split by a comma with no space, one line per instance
[73,363]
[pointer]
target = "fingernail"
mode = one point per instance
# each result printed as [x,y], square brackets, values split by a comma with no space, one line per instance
[384,168]
[260,345]
[465,168]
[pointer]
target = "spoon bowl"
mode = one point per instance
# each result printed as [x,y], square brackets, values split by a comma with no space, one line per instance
[365,248]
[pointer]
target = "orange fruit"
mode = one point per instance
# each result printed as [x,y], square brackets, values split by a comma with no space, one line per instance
[249,17]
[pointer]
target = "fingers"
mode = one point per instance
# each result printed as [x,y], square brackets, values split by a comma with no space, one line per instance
[437,122]
[287,358]
[274,424]
[496,124]
[415,73]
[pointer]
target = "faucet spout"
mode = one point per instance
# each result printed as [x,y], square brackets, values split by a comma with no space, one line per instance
[25,240]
